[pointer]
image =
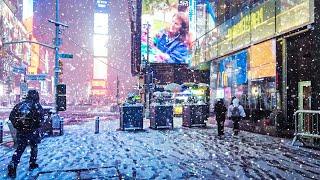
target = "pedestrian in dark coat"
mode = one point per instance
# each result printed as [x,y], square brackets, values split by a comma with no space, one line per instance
[220,110]
[26,117]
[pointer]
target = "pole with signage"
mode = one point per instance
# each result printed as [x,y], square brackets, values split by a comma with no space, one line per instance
[56,62]
[57,42]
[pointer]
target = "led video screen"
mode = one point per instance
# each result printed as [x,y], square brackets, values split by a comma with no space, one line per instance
[165,34]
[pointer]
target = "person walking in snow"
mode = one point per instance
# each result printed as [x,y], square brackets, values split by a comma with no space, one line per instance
[26,117]
[220,110]
[236,113]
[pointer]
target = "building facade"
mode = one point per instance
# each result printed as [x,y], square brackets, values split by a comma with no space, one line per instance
[14,58]
[261,51]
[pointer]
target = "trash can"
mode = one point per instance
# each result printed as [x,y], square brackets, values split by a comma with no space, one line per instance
[131,117]
[195,115]
[161,117]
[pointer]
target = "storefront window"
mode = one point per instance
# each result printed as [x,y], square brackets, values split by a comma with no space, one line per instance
[262,72]
[263,94]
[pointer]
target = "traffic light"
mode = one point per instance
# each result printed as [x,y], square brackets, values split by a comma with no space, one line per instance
[61,97]
[61,67]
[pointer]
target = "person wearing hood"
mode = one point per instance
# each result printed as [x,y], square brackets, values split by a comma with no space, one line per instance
[26,117]
[235,113]
[220,110]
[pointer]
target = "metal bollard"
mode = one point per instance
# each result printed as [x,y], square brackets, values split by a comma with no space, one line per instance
[61,126]
[1,132]
[97,125]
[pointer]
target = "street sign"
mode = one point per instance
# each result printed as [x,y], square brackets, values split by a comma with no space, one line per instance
[36,77]
[66,56]
[19,70]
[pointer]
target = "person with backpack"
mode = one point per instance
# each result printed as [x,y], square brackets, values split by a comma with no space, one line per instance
[235,113]
[26,117]
[220,110]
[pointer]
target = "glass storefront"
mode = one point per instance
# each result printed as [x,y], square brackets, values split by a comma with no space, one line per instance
[249,75]
[239,23]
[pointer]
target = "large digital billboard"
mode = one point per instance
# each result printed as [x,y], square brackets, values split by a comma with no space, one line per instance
[100,50]
[166,23]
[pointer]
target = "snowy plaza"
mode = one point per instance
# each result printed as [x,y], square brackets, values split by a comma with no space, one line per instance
[181,153]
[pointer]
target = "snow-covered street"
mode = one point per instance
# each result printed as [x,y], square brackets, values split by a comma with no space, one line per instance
[181,153]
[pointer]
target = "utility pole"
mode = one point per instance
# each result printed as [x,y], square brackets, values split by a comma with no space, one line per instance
[57,43]
[56,59]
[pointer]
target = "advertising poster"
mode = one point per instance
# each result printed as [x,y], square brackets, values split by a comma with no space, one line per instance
[233,70]
[101,6]
[227,92]
[165,36]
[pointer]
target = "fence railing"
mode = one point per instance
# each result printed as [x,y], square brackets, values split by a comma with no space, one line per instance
[307,126]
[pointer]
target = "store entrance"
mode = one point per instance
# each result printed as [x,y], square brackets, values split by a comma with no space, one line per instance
[304,95]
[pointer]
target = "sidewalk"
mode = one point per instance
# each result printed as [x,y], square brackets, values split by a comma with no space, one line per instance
[258,127]
[181,153]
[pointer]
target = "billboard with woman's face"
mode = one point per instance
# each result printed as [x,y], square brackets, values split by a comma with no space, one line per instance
[165,36]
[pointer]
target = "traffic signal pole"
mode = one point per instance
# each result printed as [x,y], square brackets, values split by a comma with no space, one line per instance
[57,43]
[56,59]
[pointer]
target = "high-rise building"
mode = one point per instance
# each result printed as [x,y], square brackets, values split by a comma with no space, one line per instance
[100,51]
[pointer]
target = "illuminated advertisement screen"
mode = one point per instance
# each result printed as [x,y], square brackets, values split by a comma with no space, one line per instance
[101,23]
[101,6]
[262,60]
[225,38]
[220,94]
[233,70]
[293,14]
[168,31]
[100,45]
[100,68]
